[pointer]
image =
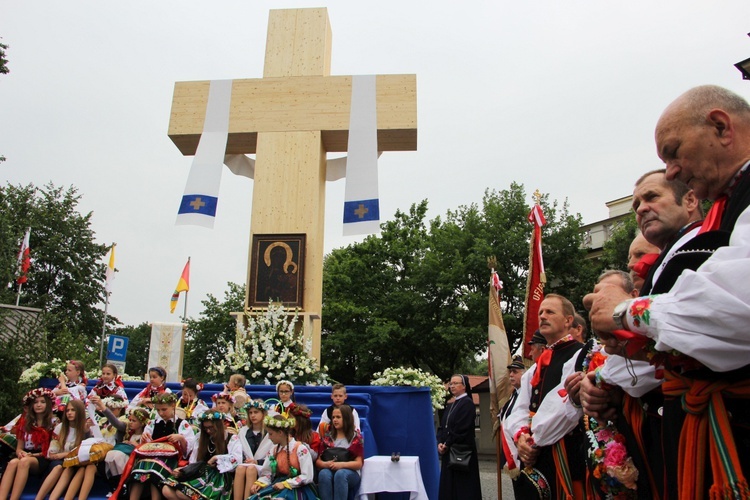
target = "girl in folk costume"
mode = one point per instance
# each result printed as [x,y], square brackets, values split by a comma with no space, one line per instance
[285,392]
[84,475]
[72,383]
[152,465]
[109,383]
[33,435]
[339,476]
[157,385]
[127,437]
[190,406]
[224,403]
[8,442]
[302,430]
[256,444]
[220,451]
[287,471]
[68,435]
[116,406]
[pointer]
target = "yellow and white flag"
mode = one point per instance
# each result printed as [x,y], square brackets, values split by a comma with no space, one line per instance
[110,275]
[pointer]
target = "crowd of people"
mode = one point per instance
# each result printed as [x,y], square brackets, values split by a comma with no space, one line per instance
[165,445]
[653,405]
[656,403]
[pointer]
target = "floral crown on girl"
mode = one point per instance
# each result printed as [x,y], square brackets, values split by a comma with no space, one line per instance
[223,395]
[284,382]
[279,422]
[164,398]
[212,415]
[140,413]
[258,404]
[298,411]
[111,402]
[39,392]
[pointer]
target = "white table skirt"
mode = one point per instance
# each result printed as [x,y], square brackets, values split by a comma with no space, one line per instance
[379,474]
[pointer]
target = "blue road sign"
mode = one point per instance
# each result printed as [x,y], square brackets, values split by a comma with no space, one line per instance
[117,348]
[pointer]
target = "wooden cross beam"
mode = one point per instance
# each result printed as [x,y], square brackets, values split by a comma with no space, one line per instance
[290,119]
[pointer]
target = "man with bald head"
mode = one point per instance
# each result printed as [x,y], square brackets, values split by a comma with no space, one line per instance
[699,326]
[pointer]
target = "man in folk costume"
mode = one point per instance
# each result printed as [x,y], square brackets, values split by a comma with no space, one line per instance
[699,328]
[669,216]
[515,372]
[543,426]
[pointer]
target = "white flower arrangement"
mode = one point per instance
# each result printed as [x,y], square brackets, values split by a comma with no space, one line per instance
[42,369]
[413,377]
[270,349]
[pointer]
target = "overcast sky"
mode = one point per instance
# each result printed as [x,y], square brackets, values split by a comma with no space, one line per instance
[559,96]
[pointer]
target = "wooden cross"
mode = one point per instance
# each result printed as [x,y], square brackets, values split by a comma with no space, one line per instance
[290,119]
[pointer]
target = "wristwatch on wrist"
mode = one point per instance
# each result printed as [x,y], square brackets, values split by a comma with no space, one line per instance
[620,313]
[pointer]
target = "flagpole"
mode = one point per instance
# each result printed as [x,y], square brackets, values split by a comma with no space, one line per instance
[110,275]
[184,310]
[104,329]
[18,295]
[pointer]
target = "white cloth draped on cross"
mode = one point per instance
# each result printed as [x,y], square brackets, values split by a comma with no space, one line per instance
[360,167]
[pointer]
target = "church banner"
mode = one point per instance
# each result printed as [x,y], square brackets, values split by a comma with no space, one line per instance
[167,341]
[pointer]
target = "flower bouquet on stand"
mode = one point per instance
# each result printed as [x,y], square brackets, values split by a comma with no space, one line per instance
[413,377]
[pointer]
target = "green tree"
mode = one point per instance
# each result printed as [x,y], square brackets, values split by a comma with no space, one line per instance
[417,296]
[66,278]
[207,337]
[139,340]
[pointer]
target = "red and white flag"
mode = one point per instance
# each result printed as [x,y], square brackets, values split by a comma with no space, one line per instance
[536,279]
[24,258]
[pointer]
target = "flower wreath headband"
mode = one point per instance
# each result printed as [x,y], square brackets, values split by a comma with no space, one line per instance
[39,392]
[140,414]
[224,395]
[110,402]
[212,416]
[258,404]
[165,398]
[279,422]
[298,411]
[284,382]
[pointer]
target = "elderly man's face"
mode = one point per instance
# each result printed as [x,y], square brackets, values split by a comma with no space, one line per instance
[515,374]
[691,152]
[657,213]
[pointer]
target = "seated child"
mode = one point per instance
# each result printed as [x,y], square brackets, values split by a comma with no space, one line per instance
[190,406]
[236,387]
[255,446]
[338,395]
[285,392]
[157,377]
[220,451]
[109,383]
[150,468]
[224,403]
[287,471]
